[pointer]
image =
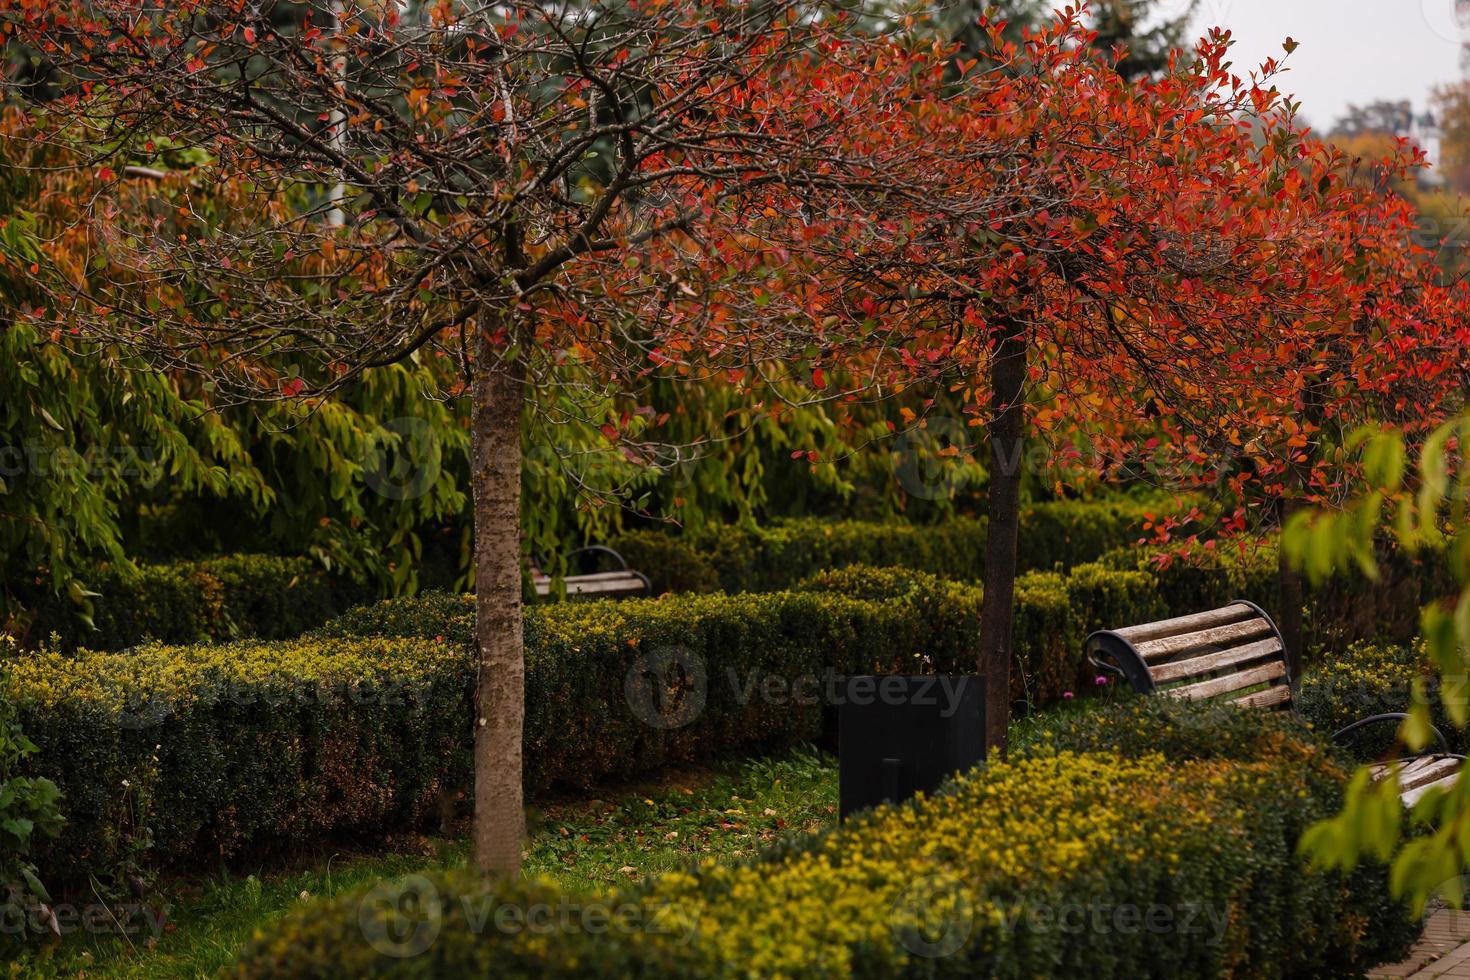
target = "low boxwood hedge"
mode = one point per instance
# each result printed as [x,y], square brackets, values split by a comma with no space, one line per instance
[1374,677]
[742,671]
[190,751]
[1053,615]
[1343,610]
[232,597]
[1164,862]
[170,753]
[186,752]
[750,559]
[1204,578]
[939,624]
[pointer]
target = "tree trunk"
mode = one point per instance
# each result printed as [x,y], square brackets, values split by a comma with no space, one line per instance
[500,699]
[1291,592]
[1003,496]
[1291,595]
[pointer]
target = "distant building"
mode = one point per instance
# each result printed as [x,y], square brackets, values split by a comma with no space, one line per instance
[1422,129]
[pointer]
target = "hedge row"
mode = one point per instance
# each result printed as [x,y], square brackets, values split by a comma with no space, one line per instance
[929,625]
[1054,613]
[748,559]
[171,753]
[1067,537]
[617,689]
[1344,610]
[259,596]
[1375,677]
[1174,857]
[189,752]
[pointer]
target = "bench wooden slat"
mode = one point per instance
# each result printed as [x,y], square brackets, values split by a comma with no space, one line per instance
[1413,796]
[1199,666]
[1424,769]
[1215,637]
[1406,769]
[1238,681]
[1446,776]
[1272,697]
[1418,776]
[598,584]
[1186,624]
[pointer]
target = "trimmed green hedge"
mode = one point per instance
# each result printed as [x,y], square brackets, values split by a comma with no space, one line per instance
[1375,677]
[937,627]
[744,671]
[165,754]
[1176,858]
[1207,578]
[1341,611]
[258,596]
[190,752]
[744,559]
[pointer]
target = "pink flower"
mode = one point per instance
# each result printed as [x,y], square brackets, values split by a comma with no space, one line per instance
[1101,680]
[1066,694]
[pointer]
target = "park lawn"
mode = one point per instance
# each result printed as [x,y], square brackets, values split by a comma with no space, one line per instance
[728,812]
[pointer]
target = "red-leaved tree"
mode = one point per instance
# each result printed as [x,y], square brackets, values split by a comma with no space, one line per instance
[1168,262]
[477,183]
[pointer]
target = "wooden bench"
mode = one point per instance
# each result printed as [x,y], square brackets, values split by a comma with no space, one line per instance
[620,581]
[1235,655]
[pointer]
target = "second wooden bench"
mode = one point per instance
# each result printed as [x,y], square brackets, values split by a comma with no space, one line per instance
[1235,654]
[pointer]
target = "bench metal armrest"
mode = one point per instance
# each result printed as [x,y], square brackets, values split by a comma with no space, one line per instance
[1108,665]
[1397,716]
[603,549]
[600,549]
[1108,651]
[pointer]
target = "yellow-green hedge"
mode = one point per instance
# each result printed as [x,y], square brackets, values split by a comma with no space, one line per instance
[166,754]
[177,753]
[1375,677]
[748,559]
[182,752]
[1104,863]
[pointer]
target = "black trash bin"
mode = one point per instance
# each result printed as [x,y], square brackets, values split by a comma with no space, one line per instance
[898,736]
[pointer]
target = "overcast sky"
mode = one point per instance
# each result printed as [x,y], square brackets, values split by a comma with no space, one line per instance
[1352,51]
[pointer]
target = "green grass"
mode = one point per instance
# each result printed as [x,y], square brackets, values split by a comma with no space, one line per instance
[726,812]
[1029,729]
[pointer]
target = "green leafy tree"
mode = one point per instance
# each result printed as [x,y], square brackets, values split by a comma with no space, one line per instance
[29,812]
[1422,505]
[1148,37]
